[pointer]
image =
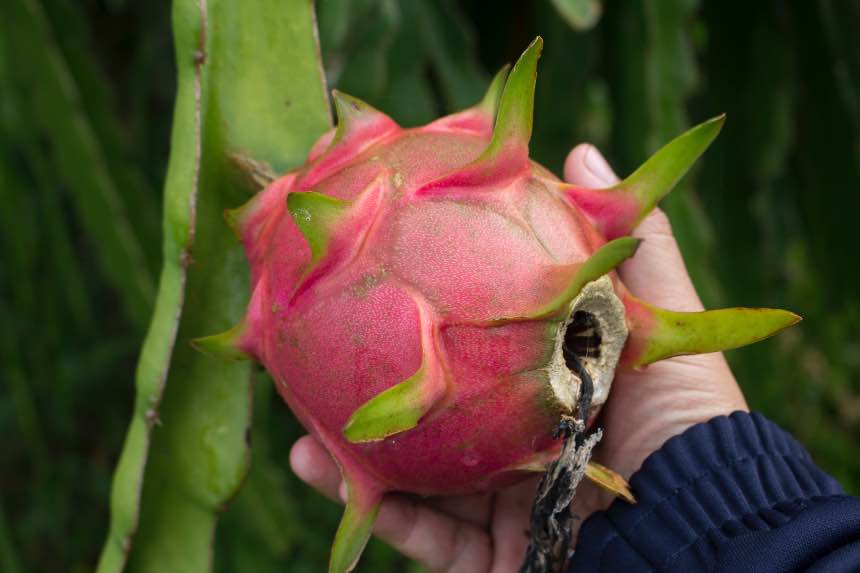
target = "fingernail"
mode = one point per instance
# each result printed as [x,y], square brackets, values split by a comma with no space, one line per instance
[597,165]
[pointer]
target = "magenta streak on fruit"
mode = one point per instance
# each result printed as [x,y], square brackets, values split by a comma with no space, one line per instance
[413,291]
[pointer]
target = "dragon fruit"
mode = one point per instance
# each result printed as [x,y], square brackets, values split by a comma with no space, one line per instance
[418,296]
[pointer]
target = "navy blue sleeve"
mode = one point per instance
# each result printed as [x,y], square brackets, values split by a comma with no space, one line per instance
[734,494]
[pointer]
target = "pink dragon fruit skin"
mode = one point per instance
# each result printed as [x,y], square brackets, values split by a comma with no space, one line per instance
[412,292]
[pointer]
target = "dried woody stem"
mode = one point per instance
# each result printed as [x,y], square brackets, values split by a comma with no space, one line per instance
[552,520]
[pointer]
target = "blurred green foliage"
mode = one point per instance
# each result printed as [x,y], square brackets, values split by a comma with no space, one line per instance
[86,99]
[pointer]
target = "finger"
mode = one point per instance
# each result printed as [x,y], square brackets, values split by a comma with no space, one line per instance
[312,463]
[440,542]
[586,166]
[510,526]
[657,273]
[475,509]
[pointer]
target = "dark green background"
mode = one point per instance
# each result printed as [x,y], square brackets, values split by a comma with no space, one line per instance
[86,95]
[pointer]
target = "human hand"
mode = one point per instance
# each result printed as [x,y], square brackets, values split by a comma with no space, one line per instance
[648,407]
[481,533]
[487,532]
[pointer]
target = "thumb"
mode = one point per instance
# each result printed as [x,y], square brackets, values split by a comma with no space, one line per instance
[585,166]
[657,273]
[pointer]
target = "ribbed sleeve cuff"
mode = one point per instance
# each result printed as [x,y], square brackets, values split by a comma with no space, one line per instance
[716,481]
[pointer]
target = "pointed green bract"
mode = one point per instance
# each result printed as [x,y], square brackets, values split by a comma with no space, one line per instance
[355,527]
[513,127]
[224,345]
[490,103]
[617,210]
[598,264]
[669,333]
[661,172]
[402,406]
[507,154]
[610,480]
[396,410]
[359,127]
[316,216]
[350,111]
